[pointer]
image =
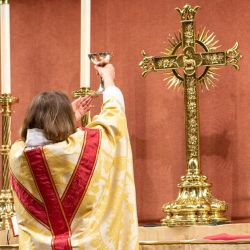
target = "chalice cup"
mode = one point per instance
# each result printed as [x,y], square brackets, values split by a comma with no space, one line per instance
[100,59]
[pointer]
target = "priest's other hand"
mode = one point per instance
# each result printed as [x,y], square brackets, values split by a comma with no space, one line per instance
[81,106]
[107,73]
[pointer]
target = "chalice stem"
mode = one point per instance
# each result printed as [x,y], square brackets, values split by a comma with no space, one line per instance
[100,59]
[101,87]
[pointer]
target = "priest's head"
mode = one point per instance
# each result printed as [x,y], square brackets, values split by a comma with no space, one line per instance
[52,112]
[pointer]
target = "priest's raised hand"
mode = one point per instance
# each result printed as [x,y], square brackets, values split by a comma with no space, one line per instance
[81,106]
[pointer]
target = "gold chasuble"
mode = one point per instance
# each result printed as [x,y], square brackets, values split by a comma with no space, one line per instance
[79,193]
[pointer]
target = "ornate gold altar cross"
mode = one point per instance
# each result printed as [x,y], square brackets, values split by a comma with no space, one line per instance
[195,204]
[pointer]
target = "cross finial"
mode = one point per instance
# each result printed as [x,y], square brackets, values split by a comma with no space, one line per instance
[187,12]
[233,56]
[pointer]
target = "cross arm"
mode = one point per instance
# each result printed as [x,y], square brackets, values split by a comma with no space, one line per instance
[156,63]
[229,57]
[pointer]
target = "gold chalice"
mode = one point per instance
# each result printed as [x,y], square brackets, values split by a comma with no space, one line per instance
[100,59]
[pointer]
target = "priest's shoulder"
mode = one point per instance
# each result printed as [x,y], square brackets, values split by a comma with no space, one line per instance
[84,130]
[17,147]
[18,143]
[80,133]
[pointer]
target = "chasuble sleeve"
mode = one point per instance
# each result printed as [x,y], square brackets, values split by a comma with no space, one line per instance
[116,166]
[112,119]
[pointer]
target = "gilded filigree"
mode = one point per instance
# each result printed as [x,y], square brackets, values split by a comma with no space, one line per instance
[189,35]
[192,97]
[191,105]
[187,12]
[181,62]
[193,122]
[146,64]
[233,56]
[167,63]
[193,139]
[191,91]
[192,150]
[213,58]
[193,130]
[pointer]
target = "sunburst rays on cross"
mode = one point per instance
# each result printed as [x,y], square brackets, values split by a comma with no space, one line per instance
[206,41]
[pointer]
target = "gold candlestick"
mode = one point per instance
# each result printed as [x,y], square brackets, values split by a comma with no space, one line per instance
[6,198]
[84,91]
[4,1]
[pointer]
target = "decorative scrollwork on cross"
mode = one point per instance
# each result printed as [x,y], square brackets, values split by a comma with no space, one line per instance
[233,56]
[187,12]
[146,64]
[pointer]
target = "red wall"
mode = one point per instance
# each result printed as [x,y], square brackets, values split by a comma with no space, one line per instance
[45,43]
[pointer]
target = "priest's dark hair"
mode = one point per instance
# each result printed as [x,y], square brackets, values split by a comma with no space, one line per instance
[52,112]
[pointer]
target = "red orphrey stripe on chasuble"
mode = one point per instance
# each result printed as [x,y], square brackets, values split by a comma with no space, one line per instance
[81,177]
[58,224]
[61,212]
[33,206]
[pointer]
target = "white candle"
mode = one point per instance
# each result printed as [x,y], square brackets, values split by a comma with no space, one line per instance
[5,48]
[85,43]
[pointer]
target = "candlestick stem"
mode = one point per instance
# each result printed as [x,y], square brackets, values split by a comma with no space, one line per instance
[6,198]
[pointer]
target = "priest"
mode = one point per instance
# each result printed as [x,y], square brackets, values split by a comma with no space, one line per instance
[74,188]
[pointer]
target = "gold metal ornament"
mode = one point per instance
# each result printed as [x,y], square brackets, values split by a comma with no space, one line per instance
[6,198]
[86,119]
[4,1]
[195,203]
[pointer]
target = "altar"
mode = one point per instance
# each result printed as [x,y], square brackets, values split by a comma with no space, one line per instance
[184,238]
[166,238]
